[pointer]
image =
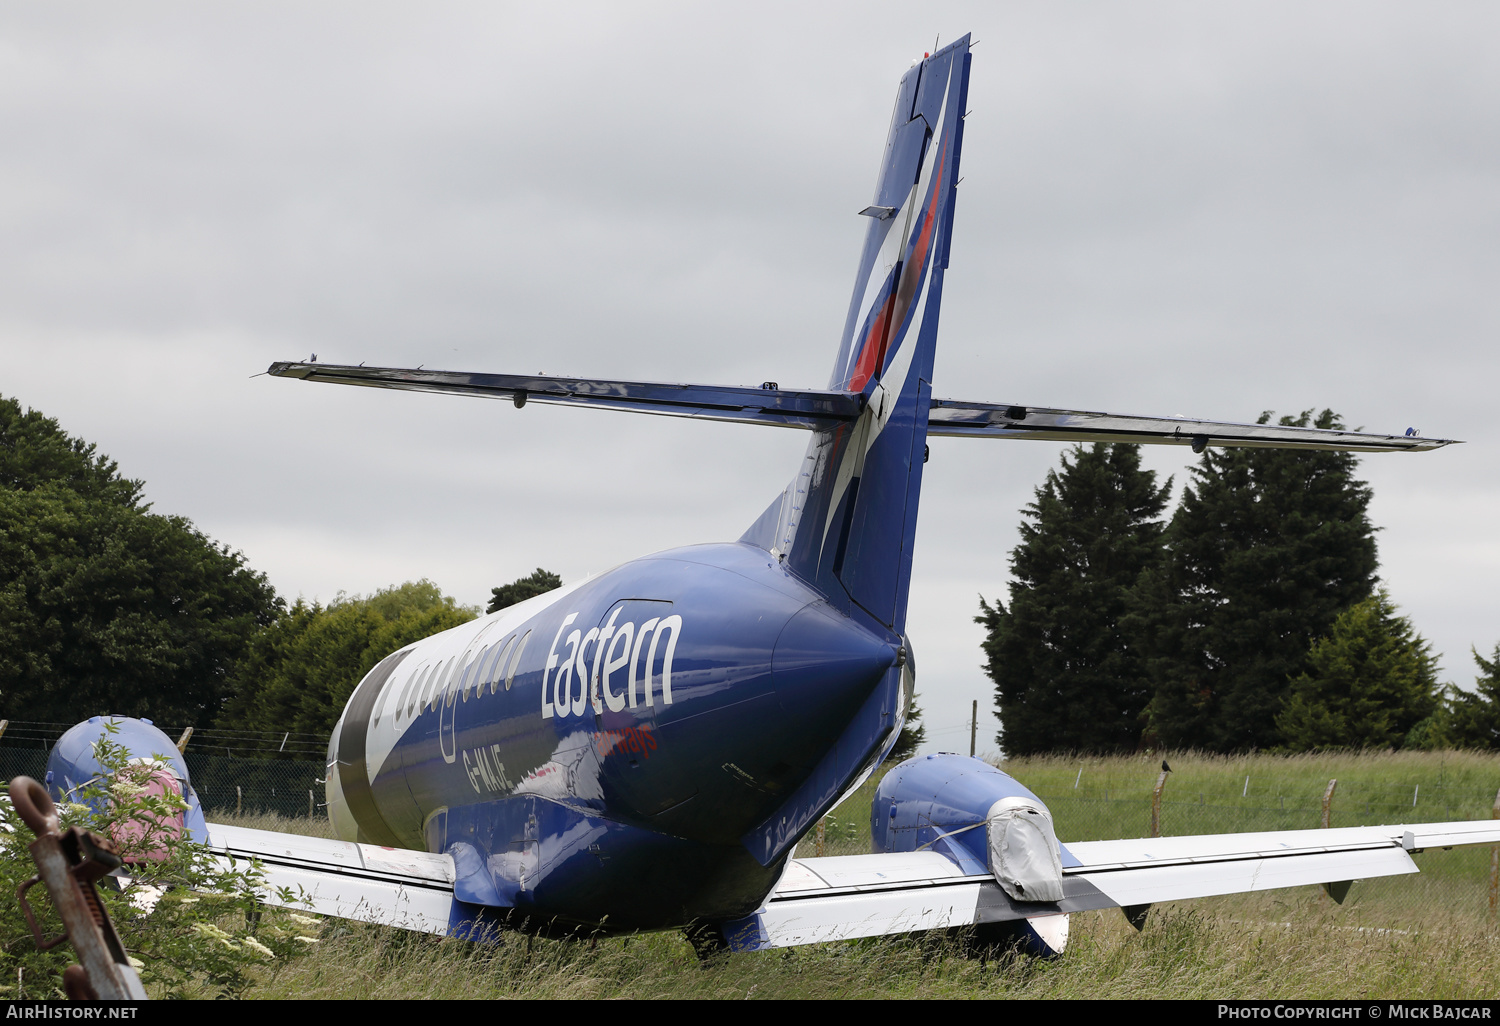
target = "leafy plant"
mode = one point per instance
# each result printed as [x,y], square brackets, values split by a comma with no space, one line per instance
[188,918]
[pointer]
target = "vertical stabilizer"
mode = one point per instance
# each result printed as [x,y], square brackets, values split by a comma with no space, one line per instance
[847,521]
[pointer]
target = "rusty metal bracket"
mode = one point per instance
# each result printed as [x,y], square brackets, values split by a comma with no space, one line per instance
[69,864]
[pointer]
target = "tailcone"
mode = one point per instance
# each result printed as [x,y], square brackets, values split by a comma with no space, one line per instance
[823,668]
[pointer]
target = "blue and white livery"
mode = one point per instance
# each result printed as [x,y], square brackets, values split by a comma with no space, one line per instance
[642,750]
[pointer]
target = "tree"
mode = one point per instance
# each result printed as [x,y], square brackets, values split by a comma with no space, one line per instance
[35,452]
[1066,676]
[1267,548]
[106,607]
[301,669]
[521,589]
[1472,720]
[207,936]
[913,735]
[1368,683]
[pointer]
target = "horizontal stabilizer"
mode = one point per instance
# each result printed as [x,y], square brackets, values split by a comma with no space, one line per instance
[957,419]
[843,897]
[390,886]
[767,404]
[814,408]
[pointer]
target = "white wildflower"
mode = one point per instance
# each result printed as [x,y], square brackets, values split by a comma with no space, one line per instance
[258,947]
[210,930]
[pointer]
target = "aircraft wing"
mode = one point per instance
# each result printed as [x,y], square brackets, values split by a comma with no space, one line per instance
[957,419]
[390,886]
[768,404]
[843,897]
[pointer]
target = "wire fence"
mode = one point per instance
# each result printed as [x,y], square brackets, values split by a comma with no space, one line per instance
[1100,813]
[1457,886]
[238,744]
[232,771]
[1453,886]
[248,772]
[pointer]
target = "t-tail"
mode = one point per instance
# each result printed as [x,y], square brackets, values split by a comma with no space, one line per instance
[847,521]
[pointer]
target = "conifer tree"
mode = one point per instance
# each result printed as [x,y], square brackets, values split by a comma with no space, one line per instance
[1266,549]
[1472,720]
[1368,683]
[913,735]
[1066,676]
[521,589]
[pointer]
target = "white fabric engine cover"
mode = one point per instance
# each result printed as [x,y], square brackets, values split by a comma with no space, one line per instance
[1024,856]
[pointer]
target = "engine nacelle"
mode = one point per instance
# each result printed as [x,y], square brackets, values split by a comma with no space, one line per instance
[73,765]
[986,821]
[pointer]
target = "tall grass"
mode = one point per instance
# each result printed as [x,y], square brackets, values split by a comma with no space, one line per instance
[1428,936]
[1263,947]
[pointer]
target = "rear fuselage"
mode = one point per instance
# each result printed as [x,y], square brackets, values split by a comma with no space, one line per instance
[603,751]
[644,748]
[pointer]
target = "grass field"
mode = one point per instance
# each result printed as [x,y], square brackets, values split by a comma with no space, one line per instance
[1428,936]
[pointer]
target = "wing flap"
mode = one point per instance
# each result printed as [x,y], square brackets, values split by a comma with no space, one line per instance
[768,404]
[391,886]
[957,419]
[841,898]
[1150,884]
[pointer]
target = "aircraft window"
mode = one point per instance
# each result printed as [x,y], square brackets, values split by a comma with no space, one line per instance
[416,696]
[413,689]
[485,672]
[388,703]
[515,660]
[427,688]
[470,676]
[400,694]
[446,679]
[497,670]
[411,686]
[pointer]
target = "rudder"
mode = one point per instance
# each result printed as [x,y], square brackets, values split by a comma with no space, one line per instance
[847,522]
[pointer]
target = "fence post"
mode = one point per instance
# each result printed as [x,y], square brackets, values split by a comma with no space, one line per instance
[1161,782]
[822,833]
[1328,802]
[238,799]
[1495,861]
[309,803]
[973,727]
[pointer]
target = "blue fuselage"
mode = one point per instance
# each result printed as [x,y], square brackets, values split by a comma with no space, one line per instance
[640,750]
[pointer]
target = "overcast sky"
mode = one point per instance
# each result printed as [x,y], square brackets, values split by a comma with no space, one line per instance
[1199,208]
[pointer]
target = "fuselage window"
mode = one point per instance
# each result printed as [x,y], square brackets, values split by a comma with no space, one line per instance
[468,679]
[485,673]
[445,686]
[388,704]
[427,688]
[515,660]
[415,692]
[497,669]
